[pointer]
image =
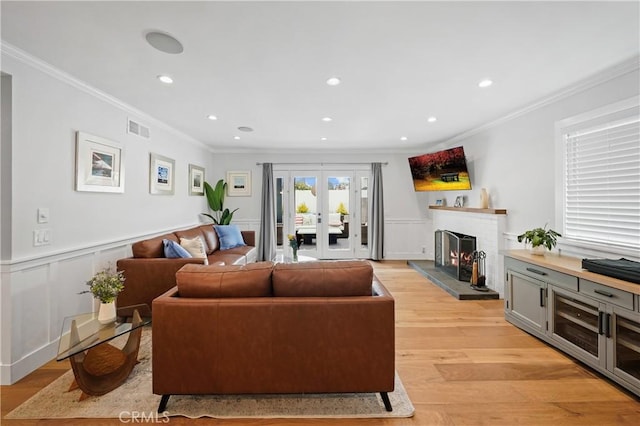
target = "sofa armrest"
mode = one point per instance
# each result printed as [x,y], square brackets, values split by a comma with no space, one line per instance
[249,237]
[147,278]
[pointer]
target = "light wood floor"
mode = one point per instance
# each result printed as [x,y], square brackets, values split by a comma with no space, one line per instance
[461,363]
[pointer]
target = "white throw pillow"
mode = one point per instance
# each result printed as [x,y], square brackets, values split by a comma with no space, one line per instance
[195,247]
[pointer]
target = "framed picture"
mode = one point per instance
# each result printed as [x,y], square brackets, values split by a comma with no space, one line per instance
[99,164]
[459,201]
[196,180]
[238,184]
[440,202]
[161,175]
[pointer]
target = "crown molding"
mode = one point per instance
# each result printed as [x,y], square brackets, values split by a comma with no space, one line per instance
[40,65]
[625,67]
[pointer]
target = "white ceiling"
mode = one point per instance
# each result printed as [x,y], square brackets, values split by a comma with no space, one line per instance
[264,64]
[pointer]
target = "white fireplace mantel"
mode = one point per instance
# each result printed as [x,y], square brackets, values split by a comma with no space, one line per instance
[487,225]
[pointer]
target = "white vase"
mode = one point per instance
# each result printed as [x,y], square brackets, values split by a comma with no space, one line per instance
[484,199]
[107,313]
[539,250]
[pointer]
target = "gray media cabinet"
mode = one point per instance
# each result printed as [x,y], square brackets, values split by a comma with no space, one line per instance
[592,317]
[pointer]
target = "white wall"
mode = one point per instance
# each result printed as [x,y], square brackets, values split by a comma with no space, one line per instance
[515,160]
[89,230]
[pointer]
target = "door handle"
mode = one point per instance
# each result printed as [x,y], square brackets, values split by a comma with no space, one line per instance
[607,325]
[600,323]
[537,271]
[541,297]
[603,293]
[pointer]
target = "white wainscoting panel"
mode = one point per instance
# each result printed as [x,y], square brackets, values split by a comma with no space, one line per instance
[408,239]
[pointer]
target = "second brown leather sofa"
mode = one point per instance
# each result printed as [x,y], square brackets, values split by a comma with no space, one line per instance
[148,273]
[315,327]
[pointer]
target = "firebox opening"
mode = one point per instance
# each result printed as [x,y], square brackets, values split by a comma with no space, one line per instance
[454,254]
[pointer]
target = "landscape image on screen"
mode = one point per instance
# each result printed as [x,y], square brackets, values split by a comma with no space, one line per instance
[440,171]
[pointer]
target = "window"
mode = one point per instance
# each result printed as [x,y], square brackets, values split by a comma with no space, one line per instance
[602,176]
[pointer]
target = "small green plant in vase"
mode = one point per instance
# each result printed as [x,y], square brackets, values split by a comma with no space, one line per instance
[105,287]
[540,238]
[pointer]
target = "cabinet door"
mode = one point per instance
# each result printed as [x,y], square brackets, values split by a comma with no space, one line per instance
[625,345]
[578,325]
[527,301]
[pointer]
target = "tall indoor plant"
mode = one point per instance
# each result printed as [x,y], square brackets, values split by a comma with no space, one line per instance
[215,199]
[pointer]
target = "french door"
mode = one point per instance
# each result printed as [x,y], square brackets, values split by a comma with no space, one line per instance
[326,212]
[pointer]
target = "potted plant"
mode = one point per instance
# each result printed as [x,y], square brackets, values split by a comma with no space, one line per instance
[540,239]
[105,287]
[215,199]
[342,210]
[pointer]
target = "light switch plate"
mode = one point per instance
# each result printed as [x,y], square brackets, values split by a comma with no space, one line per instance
[43,215]
[41,237]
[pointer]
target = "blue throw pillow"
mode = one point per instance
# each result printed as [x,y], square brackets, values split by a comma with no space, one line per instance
[173,249]
[230,236]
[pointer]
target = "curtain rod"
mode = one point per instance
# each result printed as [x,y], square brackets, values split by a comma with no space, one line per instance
[321,164]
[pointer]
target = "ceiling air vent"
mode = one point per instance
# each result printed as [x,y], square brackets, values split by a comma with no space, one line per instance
[138,129]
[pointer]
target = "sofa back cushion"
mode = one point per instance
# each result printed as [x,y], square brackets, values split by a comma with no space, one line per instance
[153,247]
[214,281]
[322,279]
[229,236]
[210,237]
[192,233]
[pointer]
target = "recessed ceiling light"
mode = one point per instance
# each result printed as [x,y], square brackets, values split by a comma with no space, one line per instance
[237,138]
[333,81]
[165,79]
[323,139]
[164,42]
[404,138]
[432,119]
[212,117]
[327,119]
[485,83]
[245,129]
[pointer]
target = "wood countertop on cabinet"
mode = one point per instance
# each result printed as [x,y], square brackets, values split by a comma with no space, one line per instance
[572,266]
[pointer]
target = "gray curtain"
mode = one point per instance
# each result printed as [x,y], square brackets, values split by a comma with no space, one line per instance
[267,236]
[376,243]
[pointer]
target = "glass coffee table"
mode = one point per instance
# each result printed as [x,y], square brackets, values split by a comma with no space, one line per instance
[99,367]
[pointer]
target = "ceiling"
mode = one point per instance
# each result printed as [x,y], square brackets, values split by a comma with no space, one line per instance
[264,65]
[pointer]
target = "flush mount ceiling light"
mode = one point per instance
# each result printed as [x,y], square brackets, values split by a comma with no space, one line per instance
[212,117]
[485,83]
[327,119]
[245,129]
[333,81]
[432,119]
[165,79]
[164,42]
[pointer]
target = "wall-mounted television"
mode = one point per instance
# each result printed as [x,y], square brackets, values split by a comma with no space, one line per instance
[444,170]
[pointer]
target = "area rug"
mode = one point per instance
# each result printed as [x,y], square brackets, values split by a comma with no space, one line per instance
[135,398]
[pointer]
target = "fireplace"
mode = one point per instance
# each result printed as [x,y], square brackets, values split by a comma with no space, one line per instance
[454,254]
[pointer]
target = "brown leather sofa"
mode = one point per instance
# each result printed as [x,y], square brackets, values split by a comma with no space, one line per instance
[148,274]
[312,327]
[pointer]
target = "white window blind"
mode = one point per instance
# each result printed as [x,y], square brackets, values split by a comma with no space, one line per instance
[602,180]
